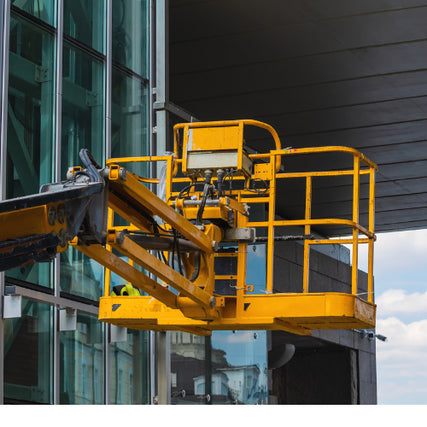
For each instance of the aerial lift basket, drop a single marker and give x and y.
(172, 252)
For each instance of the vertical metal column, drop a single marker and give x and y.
(371, 230)
(307, 231)
(108, 76)
(162, 130)
(108, 86)
(162, 74)
(356, 195)
(208, 370)
(270, 231)
(163, 352)
(4, 93)
(57, 178)
(4, 75)
(152, 68)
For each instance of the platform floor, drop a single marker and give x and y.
(296, 313)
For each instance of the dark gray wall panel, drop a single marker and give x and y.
(322, 72)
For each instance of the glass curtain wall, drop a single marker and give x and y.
(83, 112)
(53, 111)
(129, 364)
(31, 142)
(230, 367)
(82, 363)
(28, 349)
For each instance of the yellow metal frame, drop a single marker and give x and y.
(37, 220)
(194, 306)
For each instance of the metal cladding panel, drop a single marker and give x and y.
(321, 73)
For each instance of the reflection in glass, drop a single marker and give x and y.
(82, 127)
(187, 362)
(241, 377)
(28, 343)
(40, 9)
(130, 35)
(83, 107)
(30, 145)
(228, 367)
(82, 363)
(129, 117)
(130, 369)
(84, 21)
(81, 275)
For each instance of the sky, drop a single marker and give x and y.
(400, 270)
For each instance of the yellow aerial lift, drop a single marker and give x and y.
(172, 247)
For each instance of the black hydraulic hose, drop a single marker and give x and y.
(220, 175)
(196, 271)
(92, 166)
(204, 198)
(178, 251)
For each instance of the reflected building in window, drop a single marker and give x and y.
(211, 370)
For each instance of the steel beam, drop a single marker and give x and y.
(129, 273)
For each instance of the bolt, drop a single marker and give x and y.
(122, 174)
(51, 215)
(61, 213)
(120, 237)
(62, 238)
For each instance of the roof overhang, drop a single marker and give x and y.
(321, 73)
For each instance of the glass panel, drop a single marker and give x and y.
(82, 127)
(188, 368)
(235, 364)
(239, 367)
(82, 363)
(28, 343)
(30, 146)
(130, 369)
(83, 106)
(84, 20)
(81, 275)
(41, 9)
(129, 128)
(239, 359)
(130, 35)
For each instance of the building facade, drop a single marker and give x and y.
(94, 74)
(74, 75)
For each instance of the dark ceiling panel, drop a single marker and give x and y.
(322, 72)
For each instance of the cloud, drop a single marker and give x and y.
(401, 362)
(401, 335)
(240, 337)
(397, 301)
(400, 274)
(400, 252)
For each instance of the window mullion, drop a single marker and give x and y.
(57, 178)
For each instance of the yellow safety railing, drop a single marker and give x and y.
(307, 222)
(272, 161)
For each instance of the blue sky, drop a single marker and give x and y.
(400, 269)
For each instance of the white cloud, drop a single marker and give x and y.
(397, 301)
(401, 335)
(240, 337)
(400, 271)
(401, 362)
(398, 252)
